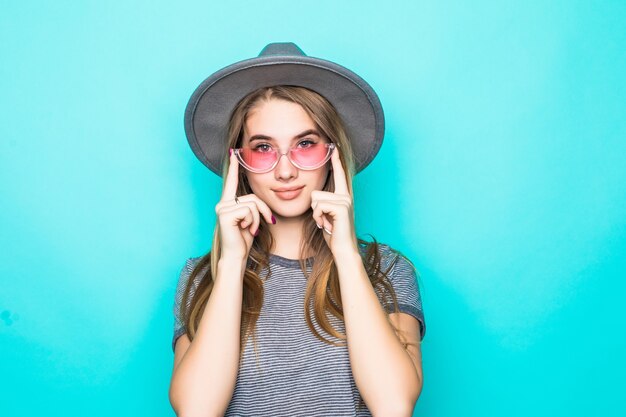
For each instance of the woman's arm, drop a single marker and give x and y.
(388, 378)
(384, 372)
(205, 374)
(205, 370)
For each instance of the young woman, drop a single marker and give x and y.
(290, 314)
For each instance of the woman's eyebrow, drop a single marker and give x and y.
(298, 136)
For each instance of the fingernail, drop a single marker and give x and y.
(273, 219)
(256, 233)
(318, 226)
(230, 151)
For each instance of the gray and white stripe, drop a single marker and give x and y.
(296, 373)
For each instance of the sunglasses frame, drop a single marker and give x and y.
(237, 151)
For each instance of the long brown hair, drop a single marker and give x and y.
(322, 282)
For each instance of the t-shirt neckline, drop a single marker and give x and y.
(286, 262)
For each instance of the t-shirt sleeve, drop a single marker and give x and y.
(403, 278)
(179, 325)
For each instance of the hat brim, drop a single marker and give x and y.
(209, 108)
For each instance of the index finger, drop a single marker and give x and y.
(339, 175)
(229, 191)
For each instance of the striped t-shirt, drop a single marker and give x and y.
(296, 374)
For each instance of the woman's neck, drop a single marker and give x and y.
(287, 235)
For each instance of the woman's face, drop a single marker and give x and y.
(281, 124)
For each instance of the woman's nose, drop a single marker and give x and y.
(285, 169)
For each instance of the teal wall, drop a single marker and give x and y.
(502, 176)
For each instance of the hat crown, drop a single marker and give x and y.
(282, 48)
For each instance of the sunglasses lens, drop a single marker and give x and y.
(262, 158)
(258, 159)
(311, 156)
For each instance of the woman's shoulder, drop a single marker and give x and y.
(193, 261)
(387, 254)
(187, 270)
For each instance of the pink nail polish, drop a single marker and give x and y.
(230, 151)
(273, 219)
(256, 233)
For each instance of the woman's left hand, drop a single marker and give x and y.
(334, 213)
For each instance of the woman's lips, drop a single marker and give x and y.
(288, 195)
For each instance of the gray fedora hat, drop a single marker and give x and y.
(210, 106)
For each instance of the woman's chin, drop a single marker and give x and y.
(291, 213)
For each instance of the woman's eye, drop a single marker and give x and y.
(263, 147)
(306, 143)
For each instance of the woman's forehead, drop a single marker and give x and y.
(303, 134)
(278, 120)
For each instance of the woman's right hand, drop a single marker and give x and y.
(239, 222)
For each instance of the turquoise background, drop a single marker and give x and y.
(502, 177)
